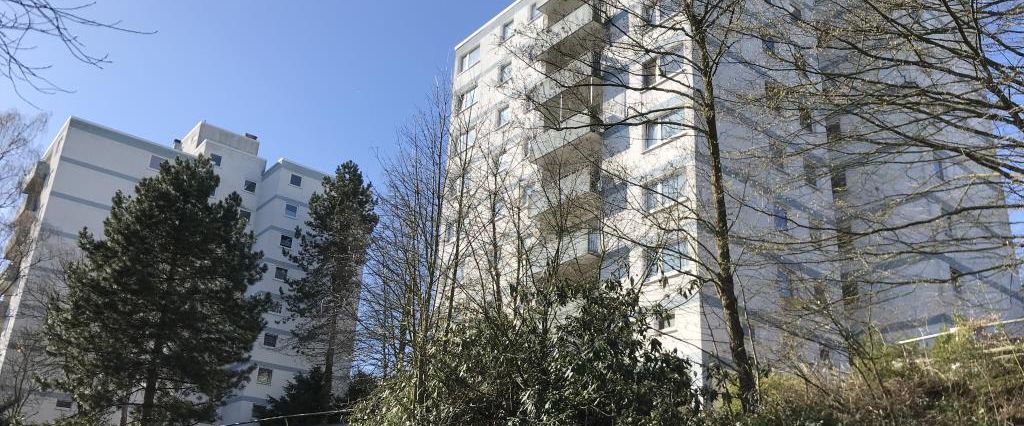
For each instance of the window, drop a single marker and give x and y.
(806, 121)
(468, 139)
(291, 211)
(667, 321)
(782, 279)
(649, 13)
(671, 125)
(672, 258)
(811, 172)
(264, 375)
(216, 159)
(249, 186)
(467, 99)
(652, 135)
(270, 340)
(778, 154)
(535, 11)
(506, 30)
(849, 287)
(280, 273)
(469, 60)
(833, 132)
(938, 169)
(295, 180)
(649, 73)
(663, 192)
(504, 114)
(286, 242)
(954, 278)
(663, 261)
(618, 25)
(773, 95)
(667, 8)
(64, 402)
(824, 354)
(838, 181)
(593, 242)
(275, 306)
(505, 74)
(155, 162)
(245, 214)
(780, 217)
(672, 62)
(665, 128)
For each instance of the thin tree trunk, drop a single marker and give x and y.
(725, 284)
(148, 396)
(328, 384)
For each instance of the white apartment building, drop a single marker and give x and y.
(519, 84)
(71, 188)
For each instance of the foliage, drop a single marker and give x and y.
(301, 395)
(577, 354)
(331, 256)
(304, 394)
(128, 323)
(966, 377)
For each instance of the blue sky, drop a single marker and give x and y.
(320, 82)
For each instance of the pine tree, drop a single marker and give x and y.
(156, 315)
(331, 255)
(302, 395)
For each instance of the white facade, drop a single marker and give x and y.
(71, 188)
(570, 166)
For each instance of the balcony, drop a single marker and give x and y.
(577, 72)
(35, 178)
(572, 25)
(578, 136)
(574, 255)
(569, 200)
(17, 245)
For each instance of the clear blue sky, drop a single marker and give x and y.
(320, 82)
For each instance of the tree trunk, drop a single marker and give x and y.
(725, 283)
(328, 384)
(148, 396)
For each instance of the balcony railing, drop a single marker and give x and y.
(576, 23)
(575, 193)
(580, 250)
(573, 74)
(571, 131)
(36, 177)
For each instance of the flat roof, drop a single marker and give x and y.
(491, 21)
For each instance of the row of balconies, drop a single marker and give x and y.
(26, 215)
(568, 99)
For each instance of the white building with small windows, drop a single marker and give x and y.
(71, 188)
(580, 113)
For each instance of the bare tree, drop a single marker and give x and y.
(814, 208)
(24, 23)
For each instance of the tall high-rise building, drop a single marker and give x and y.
(71, 188)
(575, 122)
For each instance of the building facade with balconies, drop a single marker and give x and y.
(71, 188)
(596, 138)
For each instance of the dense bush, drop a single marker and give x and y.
(576, 355)
(963, 378)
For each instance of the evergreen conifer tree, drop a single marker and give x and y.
(156, 315)
(331, 256)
